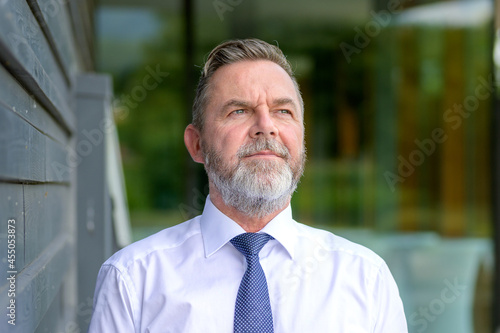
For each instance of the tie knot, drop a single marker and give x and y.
(250, 243)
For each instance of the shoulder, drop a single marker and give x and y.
(328, 242)
(169, 239)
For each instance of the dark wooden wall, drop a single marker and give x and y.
(44, 46)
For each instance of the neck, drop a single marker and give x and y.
(248, 223)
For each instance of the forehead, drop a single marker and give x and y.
(251, 79)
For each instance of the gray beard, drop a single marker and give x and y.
(256, 188)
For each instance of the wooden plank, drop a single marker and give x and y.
(81, 18)
(47, 209)
(59, 166)
(21, 147)
(51, 321)
(14, 97)
(61, 218)
(94, 226)
(38, 229)
(38, 284)
(11, 207)
(54, 20)
(60, 316)
(28, 155)
(27, 54)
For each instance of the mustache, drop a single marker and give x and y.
(263, 144)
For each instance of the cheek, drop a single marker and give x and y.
(294, 140)
(227, 142)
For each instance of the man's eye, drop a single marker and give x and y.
(284, 111)
(240, 111)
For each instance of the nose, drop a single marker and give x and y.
(264, 125)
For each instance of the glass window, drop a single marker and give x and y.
(399, 99)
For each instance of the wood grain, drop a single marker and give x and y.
(47, 209)
(44, 46)
(29, 155)
(14, 97)
(53, 18)
(14, 147)
(11, 207)
(39, 283)
(26, 53)
(81, 18)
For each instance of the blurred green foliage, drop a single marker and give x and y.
(363, 111)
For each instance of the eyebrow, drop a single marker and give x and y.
(285, 101)
(277, 102)
(236, 102)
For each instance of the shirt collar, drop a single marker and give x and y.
(217, 229)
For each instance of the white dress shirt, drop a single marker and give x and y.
(186, 278)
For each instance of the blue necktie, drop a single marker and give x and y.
(252, 313)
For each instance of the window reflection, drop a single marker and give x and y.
(398, 128)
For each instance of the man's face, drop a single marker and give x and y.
(253, 137)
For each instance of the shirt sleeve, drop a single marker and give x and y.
(389, 307)
(113, 308)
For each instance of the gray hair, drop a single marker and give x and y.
(231, 52)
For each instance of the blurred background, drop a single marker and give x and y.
(399, 98)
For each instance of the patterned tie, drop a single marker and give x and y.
(252, 313)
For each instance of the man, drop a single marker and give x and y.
(245, 265)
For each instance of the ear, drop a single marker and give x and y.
(192, 140)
